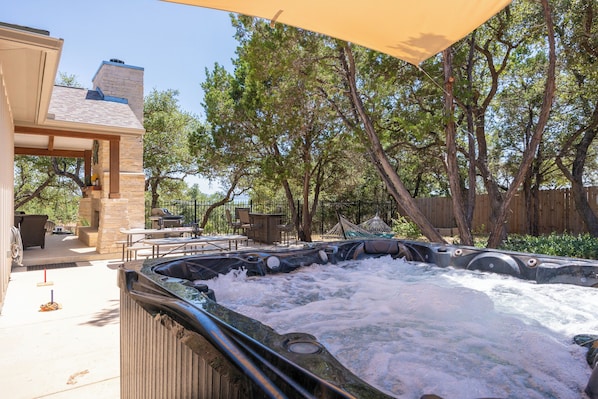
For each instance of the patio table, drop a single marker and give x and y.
(267, 227)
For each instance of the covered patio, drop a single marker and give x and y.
(62, 249)
(103, 126)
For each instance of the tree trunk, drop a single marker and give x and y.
(471, 148)
(531, 188)
(291, 204)
(451, 151)
(497, 233)
(383, 165)
(305, 230)
(575, 176)
(577, 188)
(154, 192)
(227, 198)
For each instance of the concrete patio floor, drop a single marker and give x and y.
(73, 352)
(62, 248)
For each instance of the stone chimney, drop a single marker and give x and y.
(116, 79)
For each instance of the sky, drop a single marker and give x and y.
(174, 43)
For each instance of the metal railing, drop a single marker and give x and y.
(325, 218)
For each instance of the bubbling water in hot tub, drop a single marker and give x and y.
(410, 328)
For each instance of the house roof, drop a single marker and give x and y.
(53, 117)
(28, 61)
(76, 105)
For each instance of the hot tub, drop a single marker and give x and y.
(178, 341)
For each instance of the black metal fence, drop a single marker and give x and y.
(325, 219)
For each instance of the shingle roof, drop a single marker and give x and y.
(71, 104)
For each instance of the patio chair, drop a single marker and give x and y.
(237, 212)
(33, 230)
(236, 225)
(246, 223)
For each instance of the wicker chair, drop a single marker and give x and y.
(247, 224)
(33, 229)
(229, 219)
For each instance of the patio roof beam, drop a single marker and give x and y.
(49, 153)
(64, 133)
(114, 141)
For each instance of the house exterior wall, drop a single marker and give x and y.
(6, 187)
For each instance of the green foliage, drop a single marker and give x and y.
(68, 80)
(166, 157)
(404, 227)
(282, 118)
(83, 222)
(40, 189)
(225, 143)
(194, 193)
(274, 120)
(581, 246)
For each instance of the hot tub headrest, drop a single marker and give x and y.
(373, 248)
(205, 268)
(389, 247)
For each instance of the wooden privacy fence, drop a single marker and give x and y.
(557, 212)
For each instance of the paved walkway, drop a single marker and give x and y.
(69, 353)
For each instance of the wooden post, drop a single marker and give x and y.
(114, 168)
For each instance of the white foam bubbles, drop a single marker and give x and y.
(410, 329)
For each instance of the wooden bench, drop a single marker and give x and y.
(132, 253)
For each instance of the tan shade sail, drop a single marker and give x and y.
(412, 30)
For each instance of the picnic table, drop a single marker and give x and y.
(190, 245)
(134, 237)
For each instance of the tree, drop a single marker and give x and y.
(42, 183)
(380, 159)
(459, 211)
(497, 233)
(166, 157)
(480, 131)
(227, 156)
(579, 34)
(68, 80)
(273, 110)
(48, 185)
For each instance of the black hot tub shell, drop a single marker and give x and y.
(178, 342)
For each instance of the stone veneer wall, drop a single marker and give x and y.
(127, 211)
(120, 80)
(123, 81)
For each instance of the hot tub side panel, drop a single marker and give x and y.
(160, 359)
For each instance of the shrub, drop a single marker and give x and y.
(580, 246)
(404, 227)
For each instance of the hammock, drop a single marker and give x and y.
(345, 229)
(376, 225)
